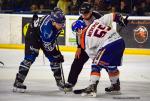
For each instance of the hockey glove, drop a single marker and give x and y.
(120, 20)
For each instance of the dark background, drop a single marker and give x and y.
(128, 34)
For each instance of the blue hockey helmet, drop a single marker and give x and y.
(58, 17)
(79, 24)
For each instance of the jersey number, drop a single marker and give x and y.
(101, 31)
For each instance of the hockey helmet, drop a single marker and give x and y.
(79, 24)
(57, 9)
(85, 8)
(58, 17)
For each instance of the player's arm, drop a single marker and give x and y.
(78, 37)
(108, 19)
(96, 14)
(78, 51)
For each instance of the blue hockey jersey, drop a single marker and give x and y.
(48, 33)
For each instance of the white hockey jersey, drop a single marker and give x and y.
(98, 35)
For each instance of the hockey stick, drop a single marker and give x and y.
(62, 72)
(43, 59)
(78, 91)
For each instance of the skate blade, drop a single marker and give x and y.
(114, 93)
(62, 89)
(89, 95)
(19, 90)
(67, 90)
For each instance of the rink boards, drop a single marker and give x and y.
(134, 51)
(13, 28)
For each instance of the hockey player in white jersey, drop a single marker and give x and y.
(105, 47)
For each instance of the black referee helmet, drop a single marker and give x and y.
(85, 8)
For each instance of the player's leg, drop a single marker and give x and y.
(56, 59)
(112, 58)
(95, 74)
(91, 90)
(113, 73)
(75, 70)
(107, 57)
(31, 52)
(23, 70)
(21, 75)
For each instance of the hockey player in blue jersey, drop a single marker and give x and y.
(42, 34)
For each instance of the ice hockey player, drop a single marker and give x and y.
(42, 34)
(88, 15)
(105, 47)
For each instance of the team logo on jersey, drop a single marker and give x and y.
(140, 34)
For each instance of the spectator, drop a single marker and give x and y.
(123, 7)
(63, 4)
(147, 6)
(113, 9)
(0, 5)
(43, 3)
(98, 5)
(116, 4)
(52, 4)
(74, 7)
(106, 5)
(7, 5)
(41, 8)
(139, 8)
(34, 8)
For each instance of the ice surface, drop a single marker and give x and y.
(134, 76)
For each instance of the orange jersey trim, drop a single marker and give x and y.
(96, 74)
(82, 38)
(113, 74)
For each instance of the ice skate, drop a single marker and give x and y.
(60, 84)
(19, 87)
(91, 90)
(114, 89)
(68, 87)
